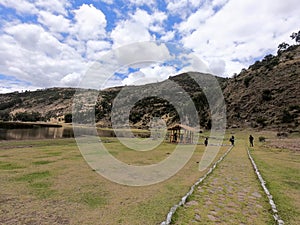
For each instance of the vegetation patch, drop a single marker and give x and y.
(54, 153)
(280, 169)
(42, 162)
(42, 189)
(93, 200)
(31, 177)
(10, 166)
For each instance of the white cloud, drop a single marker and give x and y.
(34, 38)
(142, 52)
(53, 43)
(15, 85)
(55, 23)
(141, 2)
(32, 54)
(168, 36)
(183, 8)
(241, 31)
(54, 6)
(21, 6)
(137, 28)
(96, 49)
(196, 19)
(90, 23)
(150, 74)
(26, 35)
(71, 79)
(127, 32)
(194, 64)
(105, 1)
(33, 7)
(217, 67)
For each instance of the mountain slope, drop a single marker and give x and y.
(267, 94)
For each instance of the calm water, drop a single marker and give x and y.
(52, 133)
(44, 133)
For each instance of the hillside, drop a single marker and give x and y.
(267, 94)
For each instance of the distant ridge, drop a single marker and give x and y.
(267, 94)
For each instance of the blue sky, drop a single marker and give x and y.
(53, 43)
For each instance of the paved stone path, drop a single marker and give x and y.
(230, 195)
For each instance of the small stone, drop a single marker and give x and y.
(197, 217)
(193, 202)
(211, 217)
(256, 194)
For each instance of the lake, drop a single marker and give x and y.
(57, 132)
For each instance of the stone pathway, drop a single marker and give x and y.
(230, 195)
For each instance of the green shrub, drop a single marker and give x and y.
(261, 121)
(266, 95)
(262, 139)
(247, 81)
(28, 116)
(287, 117)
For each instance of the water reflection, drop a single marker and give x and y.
(54, 133)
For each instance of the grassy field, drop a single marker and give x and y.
(279, 163)
(230, 195)
(233, 195)
(48, 182)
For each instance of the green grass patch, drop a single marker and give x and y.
(42, 189)
(42, 162)
(280, 169)
(31, 177)
(54, 153)
(93, 200)
(10, 166)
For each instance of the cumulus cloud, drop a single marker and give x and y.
(55, 23)
(142, 52)
(106, 1)
(21, 6)
(141, 2)
(54, 6)
(71, 79)
(127, 32)
(34, 55)
(55, 50)
(217, 67)
(137, 27)
(183, 8)
(150, 74)
(54, 43)
(10, 84)
(90, 23)
(241, 31)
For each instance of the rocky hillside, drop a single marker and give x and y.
(267, 94)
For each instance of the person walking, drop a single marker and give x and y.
(206, 141)
(232, 140)
(251, 139)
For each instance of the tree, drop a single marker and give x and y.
(4, 115)
(28, 116)
(296, 36)
(281, 47)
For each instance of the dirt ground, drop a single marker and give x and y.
(284, 143)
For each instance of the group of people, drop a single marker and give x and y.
(232, 139)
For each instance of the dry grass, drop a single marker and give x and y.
(230, 195)
(279, 163)
(48, 182)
